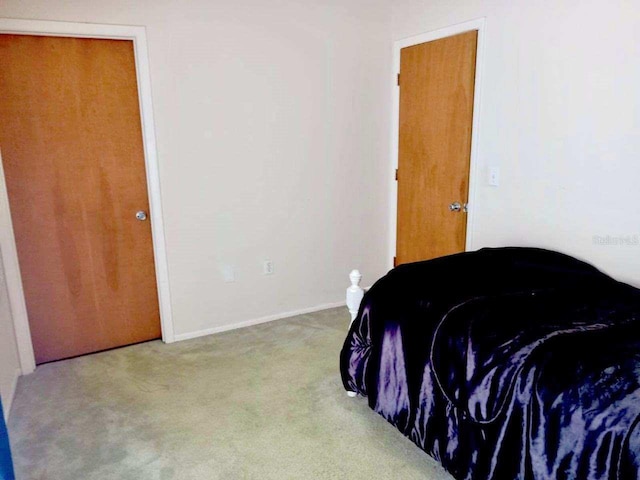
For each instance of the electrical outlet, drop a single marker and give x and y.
(267, 267)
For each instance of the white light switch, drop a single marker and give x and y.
(494, 176)
(228, 273)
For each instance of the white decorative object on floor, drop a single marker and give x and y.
(354, 294)
(354, 298)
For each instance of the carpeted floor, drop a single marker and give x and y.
(264, 402)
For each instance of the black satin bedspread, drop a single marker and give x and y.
(510, 363)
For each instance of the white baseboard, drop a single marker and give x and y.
(255, 321)
(7, 402)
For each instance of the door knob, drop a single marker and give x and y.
(455, 207)
(141, 215)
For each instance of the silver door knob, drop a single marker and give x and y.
(141, 215)
(455, 207)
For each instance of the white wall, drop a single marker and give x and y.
(271, 120)
(560, 117)
(273, 117)
(9, 362)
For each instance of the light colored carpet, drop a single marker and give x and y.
(264, 402)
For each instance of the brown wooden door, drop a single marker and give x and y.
(72, 152)
(437, 82)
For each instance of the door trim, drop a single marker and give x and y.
(398, 45)
(7, 240)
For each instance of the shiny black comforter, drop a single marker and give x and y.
(511, 363)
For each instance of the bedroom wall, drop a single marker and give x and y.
(271, 120)
(9, 362)
(560, 117)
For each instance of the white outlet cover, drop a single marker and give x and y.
(267, 267)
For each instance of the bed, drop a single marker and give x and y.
(506, 363)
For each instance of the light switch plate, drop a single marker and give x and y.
(494, 176)
(228, 274)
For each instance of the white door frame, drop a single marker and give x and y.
(479, 25)
(7, 240)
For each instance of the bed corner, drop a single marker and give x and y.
(354, 294)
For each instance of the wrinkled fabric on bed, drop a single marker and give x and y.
(510, 363)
